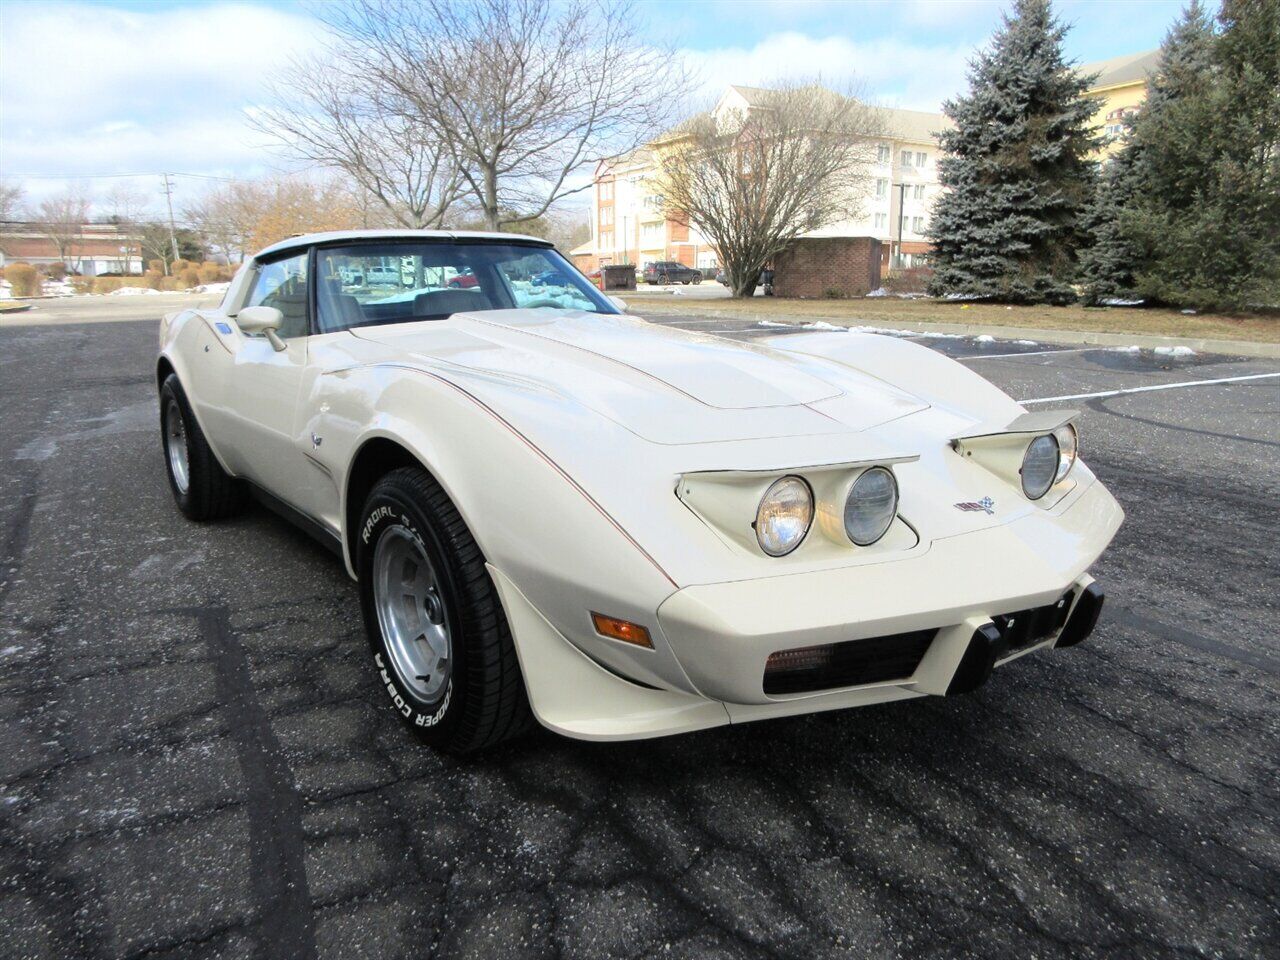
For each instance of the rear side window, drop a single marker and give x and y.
(283, 284)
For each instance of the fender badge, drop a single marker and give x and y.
(986, 505)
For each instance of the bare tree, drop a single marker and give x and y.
(322, 113)
(227, 216)
(11, 200)
(128, 206)
(527, 95)
(753, 181)
(61, 219)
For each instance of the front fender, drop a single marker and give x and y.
(531, 519)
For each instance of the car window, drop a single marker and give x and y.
(283, 284)
(401, 282)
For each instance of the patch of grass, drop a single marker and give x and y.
(893, 312)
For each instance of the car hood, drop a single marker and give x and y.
(664, 384)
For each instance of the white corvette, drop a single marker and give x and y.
(558, 511)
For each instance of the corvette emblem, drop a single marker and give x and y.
(986, 505)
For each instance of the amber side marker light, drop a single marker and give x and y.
(623, 630)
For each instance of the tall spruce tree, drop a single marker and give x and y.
(1016, 167)
(1208, 214)
(1110, 257)
(1170, 152)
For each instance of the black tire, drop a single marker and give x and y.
(697, 280)
(484, 701)
(211, 493)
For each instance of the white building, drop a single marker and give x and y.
(629, 226)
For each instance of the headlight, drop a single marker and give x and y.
(784, 515)
(1040, 466)
(871, 506)
(1068, 449)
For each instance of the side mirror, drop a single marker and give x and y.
(619, 303)
(263, 320)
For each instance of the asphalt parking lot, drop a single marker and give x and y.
(196, 761)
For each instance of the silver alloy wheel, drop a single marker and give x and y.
(175, 442)
(411, 612)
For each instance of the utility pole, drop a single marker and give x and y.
(173, 236)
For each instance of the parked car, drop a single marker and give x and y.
(464, 280)
(546, 278)
(669, 271)
(722, 278)
(619, 529)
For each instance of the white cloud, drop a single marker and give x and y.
(89, 90)
(891, 71)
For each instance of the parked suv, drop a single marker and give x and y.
(668, 271)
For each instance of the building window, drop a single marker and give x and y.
(606, 216)
(606, 239)
(606, 191)
(921, 159)
(906, 158)
(882, 221)
(882, 153)
(882, 188)
(917, 224)
(918, 191)
(651, 233)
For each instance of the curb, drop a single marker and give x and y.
(1233, 348)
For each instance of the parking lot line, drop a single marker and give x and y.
(1029, 353)
(1151, 387)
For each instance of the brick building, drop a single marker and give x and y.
(93, 249)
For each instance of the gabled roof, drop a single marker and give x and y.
(1129, 68)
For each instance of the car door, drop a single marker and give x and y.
(261, 392)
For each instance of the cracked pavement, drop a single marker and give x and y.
(196, 759)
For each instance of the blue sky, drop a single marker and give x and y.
(127, 86)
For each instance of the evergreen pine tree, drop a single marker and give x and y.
(1016, 167)
(1170, 152)
(1237, 225)
(1108, 261)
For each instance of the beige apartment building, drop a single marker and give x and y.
(629, 224)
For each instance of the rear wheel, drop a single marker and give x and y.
(440, 641)
(201, 488)
(697, 280)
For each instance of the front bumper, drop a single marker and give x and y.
(723, 634)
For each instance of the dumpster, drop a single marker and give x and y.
(618, 276)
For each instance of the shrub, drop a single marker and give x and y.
(210, 272)
(106, 284)
(908, 280)
(56, 271)
(176, 268)
(23, 279)
(190, 277)
(152, 279)
(171, 284)
(82, 284)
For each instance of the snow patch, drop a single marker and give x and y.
(133, 292)
(1027, 343)
(211, 287)
(878, 292)
(1178, 351)
(1121, 302)
(984, 338)
(1134, 348)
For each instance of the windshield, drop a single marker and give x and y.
(402, 282)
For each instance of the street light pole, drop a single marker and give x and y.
(902, 203)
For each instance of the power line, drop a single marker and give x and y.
(119, 176)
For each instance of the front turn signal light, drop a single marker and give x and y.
(623, 630)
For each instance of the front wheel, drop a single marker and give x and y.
(201, 488)
(696, 281)
(441, 645)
